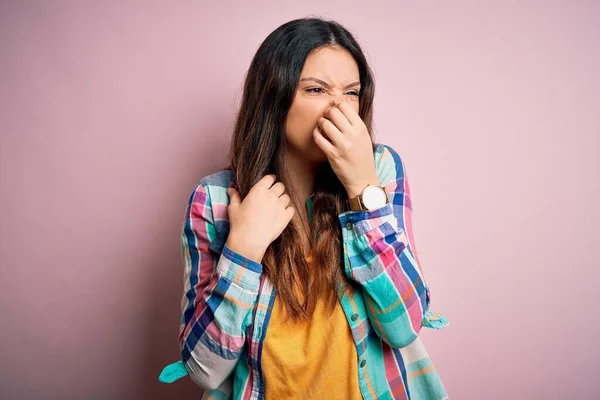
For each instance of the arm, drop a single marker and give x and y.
(219, 293)
(379, 254)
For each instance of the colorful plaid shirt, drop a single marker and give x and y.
(227, 300)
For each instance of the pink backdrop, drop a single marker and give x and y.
(111, 111)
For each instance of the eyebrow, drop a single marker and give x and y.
(310, 78)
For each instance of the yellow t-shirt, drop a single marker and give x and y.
(313, 360)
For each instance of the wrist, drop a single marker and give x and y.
(245, 248)
(357, 188)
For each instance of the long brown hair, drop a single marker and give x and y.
(258, 148)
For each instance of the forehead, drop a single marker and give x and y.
(332, 64)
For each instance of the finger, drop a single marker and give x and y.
(290, 213)
(322, 142)
(285, 200)
(266, 181)
(329, 108)
(330, 130)
(234, 197)
(335, 115)
(350, 114)
(278, 188)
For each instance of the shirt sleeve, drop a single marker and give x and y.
(380, 254)
(220, 291)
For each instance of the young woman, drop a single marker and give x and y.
(302, 279)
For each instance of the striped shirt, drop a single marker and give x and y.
(227, 300)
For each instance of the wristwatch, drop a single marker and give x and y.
(371, 197)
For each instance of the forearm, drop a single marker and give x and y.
(213, 340)
(378, 258)
(242, 246)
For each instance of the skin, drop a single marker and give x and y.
(323, 125)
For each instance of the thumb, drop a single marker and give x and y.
(234, 197)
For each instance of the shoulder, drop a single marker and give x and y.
(219, 179)
(388, 164)
(210, 195)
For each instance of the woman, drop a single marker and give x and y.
(301, 273)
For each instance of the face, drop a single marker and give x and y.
(330, 75)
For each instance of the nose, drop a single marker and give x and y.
(333, 102)
(337, 99)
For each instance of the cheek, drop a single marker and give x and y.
(302, 119)
(354, 103)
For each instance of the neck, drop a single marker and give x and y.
(302, 173)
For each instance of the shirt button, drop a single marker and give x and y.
(354, 317)
(349, 225)
(362, 363)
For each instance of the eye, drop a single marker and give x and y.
(315, 90)
(354, 93)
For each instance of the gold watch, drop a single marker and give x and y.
(371, 198)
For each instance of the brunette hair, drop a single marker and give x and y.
(258, 148)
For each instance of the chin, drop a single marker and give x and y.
(318, 155)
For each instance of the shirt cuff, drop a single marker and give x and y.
(357, 223)
(240, 270)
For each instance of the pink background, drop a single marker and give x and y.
(111, 111)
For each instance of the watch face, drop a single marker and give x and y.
(374, 197)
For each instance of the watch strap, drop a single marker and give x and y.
(356, 203)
